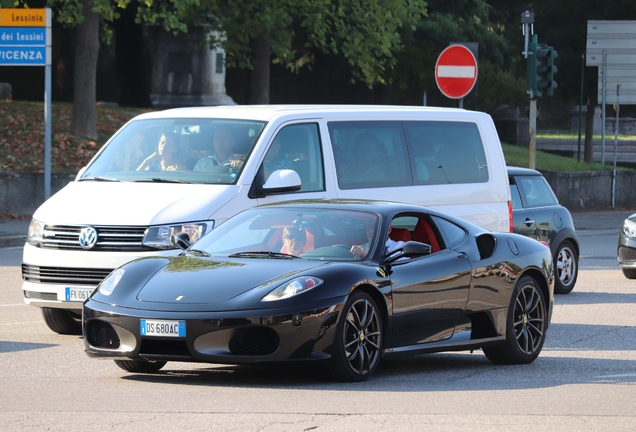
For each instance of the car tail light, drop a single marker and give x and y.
(510, 216)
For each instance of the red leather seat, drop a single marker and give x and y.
(423, 233)
(400, 234)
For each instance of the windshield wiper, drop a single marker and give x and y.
(159, 180)
(262, 254)
(198, 252)
(98, 178)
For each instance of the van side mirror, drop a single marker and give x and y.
(410, 249)
(181, 240)
(282, 181)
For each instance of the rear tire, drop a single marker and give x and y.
(140, 366)
(63, 321)
(629, 273)
(526, 325)
(357, 345)
(566, 267)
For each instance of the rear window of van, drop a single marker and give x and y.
(372, 154)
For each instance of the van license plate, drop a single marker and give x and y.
(77, 294)
(162, 328)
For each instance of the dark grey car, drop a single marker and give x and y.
(626, 252)
(537, 214)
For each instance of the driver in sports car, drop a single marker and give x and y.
(361, 251)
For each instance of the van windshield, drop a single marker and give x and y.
(177, 151)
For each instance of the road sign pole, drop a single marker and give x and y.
(47, 111)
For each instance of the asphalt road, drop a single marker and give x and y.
(583, 380)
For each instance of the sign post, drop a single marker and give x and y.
(456, 72)
(25, 40)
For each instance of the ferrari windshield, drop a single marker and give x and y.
(287, 233)
(176, 151)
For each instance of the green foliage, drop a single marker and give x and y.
(365, 32)
(520, 156)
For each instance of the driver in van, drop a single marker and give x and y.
(223, 144)
(166, 158)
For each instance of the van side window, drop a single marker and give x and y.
(446, 152)
(369, 154)
(298, 147)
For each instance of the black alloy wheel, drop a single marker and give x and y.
(526, 328)
(358, 339)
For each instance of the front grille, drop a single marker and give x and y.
(254, 341)
(64, 275)
(66, 237)
(626, 253)
(102, 335)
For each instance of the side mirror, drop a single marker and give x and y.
(282, 181)
(410, 249)
(181, 240)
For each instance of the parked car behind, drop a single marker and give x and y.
(537, 214)
(626, 252)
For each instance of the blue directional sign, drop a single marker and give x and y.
(23, 56)
(22, 36)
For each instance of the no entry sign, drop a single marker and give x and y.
(456, 71)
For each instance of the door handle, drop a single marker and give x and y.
(529, 222)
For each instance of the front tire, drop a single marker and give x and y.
(358, 339)
(62, 321)
(526, 326)
(629, 273)
(566, 265)
(140, 366)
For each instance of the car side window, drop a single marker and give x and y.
(298, 147)
(446, 152)
(451, 233)
(514, 195)
(536, 191)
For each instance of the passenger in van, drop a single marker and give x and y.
(223, 144)
(367, 166)
(294, 240)
(166, 158)
(361, 251)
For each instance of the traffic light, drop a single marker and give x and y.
(541, 69)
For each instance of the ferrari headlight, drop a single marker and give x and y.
(292, 288)
(108, 285)
(35, 233)
(629, 228)
(159, 236)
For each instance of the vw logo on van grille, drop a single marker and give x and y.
(88, 237)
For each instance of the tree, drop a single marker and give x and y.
(86, 16)
(259, 32)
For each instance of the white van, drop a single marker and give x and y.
(167, 172)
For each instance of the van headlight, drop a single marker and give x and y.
(158, 237)
(35, 233)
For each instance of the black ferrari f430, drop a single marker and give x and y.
(341, 283)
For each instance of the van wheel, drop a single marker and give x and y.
(526, 326)
(140, 366)
(63, 321)
(566, 267)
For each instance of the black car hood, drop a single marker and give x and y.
(194, 280)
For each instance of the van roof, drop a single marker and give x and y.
(269, 112)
